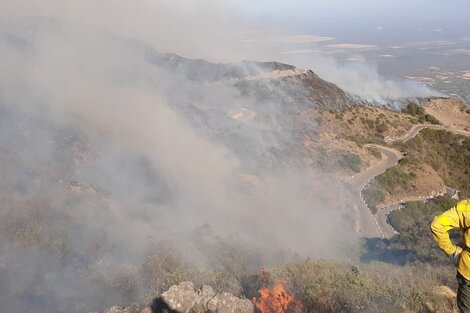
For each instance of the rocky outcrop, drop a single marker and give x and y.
(184, 298)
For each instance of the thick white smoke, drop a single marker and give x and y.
(217, 31)
(109, 153)
(363, 80)
(107, 163)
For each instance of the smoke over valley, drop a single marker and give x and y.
(115, 152)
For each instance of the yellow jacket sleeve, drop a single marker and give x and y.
(440, 229)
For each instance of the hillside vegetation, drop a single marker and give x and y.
(335, 140)
(432, 156)
(413, 245)
(329, 287)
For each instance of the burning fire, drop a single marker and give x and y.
(275, 300)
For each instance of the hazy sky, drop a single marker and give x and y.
(368, 21)
(227, 26)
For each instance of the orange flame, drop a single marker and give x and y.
(275, 300)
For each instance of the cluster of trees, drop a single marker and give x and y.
(395, 177)
(421, 117)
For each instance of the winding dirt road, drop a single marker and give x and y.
(367, 224)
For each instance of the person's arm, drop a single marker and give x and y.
(440, 228)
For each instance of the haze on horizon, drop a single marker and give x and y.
(368, 21)
(236, 29)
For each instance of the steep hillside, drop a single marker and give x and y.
(316, 286)
(126, 170)
(434, 157)
(140, 157)
(330, 132)
(431, 155)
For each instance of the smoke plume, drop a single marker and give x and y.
(113, 153)
(363, 80)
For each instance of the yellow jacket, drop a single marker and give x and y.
(456, 217)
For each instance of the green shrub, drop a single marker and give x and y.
(431, 119)
(373, 196)
(349, 160)
(417, 111)
(395, 177)
(413, 109)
